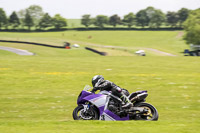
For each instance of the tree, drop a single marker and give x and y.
(100, 20)
(172, 18)
(157, 18)
(151, 17)
(129, 20)
(59, 21)
(28, 21)
(14, 20)
(21, 15)
(3, 18)
(192, 28)
(114, 20)
(46, 21)
(141, 18)
(86, 20)
(36, 13)
(183, 14)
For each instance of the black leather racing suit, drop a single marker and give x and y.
(109, 86)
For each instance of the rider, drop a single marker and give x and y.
(99, 83)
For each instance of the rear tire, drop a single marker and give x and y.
(151, 115)
(79, 114)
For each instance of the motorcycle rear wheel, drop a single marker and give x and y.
(150, 115)
(79, 114)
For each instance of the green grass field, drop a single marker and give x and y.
(167, 41)
(38, 93)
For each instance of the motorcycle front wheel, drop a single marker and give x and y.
(151, 114)
(89, 114)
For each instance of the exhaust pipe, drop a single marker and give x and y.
(139, 97)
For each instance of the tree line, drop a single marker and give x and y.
(149, 17)
(34, 16)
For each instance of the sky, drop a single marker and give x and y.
(77, 8)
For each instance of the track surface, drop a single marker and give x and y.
(17, 51)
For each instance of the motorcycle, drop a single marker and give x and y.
(106, 106)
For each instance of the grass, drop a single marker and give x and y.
(48, 52)
(167, 41)
(38, 93)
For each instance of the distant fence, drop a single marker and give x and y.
(136, 29)
(95, 51)
(46, 45)
(93, 29)
(33, 43)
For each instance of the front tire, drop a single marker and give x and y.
(80, 114)
(150, 115)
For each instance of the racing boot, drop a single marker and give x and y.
(127, 102)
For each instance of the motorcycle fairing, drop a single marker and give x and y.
(110, 116)
(82, 95)
(98, 100)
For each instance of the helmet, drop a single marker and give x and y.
(96, 80)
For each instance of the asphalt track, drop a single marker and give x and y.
(17, 51)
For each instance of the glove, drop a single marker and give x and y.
(94, 90)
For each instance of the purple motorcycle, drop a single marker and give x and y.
(105, 106)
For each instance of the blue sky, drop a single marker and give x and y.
(77, 8)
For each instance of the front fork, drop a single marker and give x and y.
(86, 107)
